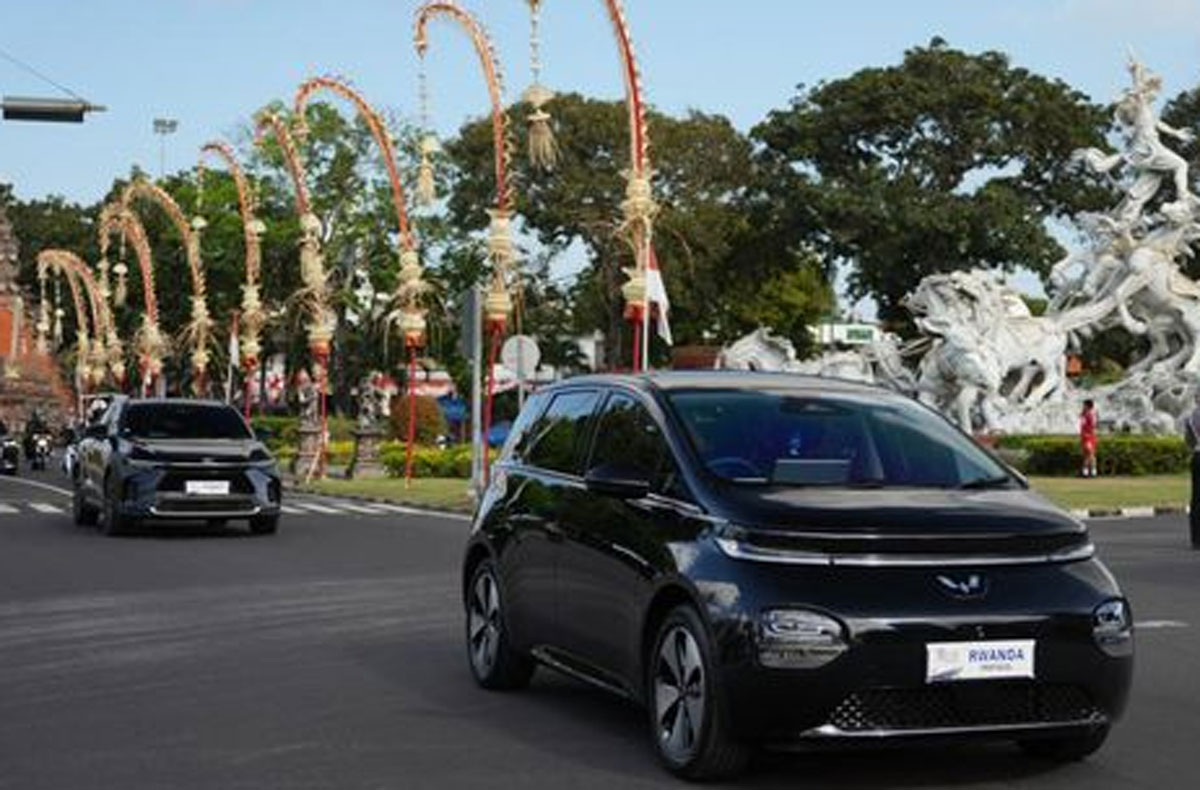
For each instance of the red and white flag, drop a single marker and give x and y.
(656, 297)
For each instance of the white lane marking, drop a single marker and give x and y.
(364, 509)
(1160, 624)
(38, 484)
(1137, 512)
(42, 507)
(8, 508)
(412, 511)
(313, 507)
(291, 511)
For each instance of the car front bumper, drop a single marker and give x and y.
(158, 491)
(878, 687)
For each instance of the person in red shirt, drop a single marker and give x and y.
(1087, 437)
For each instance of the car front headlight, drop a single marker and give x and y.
(799, 639)
(1112, 628)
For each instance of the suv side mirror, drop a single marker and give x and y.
(97, 431)
(617, 482)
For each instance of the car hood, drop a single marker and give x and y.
(200, 450)
(900, 520)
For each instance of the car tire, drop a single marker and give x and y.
(85, 515)
(494, 663)
(264, 525)
(114, 522)
(1067, 748)
(689, 726)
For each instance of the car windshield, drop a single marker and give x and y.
(848, 440)
(182, 421)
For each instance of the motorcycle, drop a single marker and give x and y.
(41, 451)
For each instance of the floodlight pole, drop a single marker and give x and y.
(164, 127)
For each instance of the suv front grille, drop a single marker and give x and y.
(964, 705)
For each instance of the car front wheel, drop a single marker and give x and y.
(85, 515)
(688, 724)
(493, 661)
(264, 525)
(114, 522)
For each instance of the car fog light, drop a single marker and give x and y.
(1112, 628)
(799, 639)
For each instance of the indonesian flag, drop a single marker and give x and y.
(656, 297)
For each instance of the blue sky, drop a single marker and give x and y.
(211, 63)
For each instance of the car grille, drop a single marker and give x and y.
(963, 705)
(218, 505)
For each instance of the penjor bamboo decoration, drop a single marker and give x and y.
(501, 249)
(253, 316)
(408, 315)
(197, 334)
(150, 345)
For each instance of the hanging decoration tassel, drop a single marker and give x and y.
(59, 312)
(43, 322)
(543, 148)
(121, 294)
(426, 185)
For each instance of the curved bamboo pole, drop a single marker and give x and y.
(106, 347)
(411, 286)
(198, 332)
(84, 373)
(150, 344)
(253, 316)
(502, 251)
(639, 208)
(314, 296)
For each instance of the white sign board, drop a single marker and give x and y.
(521, 355)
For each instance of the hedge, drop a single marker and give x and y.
(1123, 454)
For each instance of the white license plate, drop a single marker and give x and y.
(948, 661)
(207, 487)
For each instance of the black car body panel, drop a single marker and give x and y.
(585, 571)
(176, 478)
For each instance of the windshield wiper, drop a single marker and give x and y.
(1001, 481)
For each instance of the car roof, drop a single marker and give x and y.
(669, 380)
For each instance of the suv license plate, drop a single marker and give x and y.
(207, 487)
(948, 661)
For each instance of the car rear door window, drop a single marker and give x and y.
(555, 440)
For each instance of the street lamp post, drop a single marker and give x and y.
(164, 127)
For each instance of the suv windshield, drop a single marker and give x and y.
(182, 421)
(848, 440)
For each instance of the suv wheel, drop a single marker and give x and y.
(114, 522)
(85, 515)
(494, 663)
(688, 723)
(1066, 749)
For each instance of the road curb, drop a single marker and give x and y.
(417, 510)
(1129, 512)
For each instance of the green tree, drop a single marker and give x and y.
(946, 161)
(705, 231)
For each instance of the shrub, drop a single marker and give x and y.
(453, 461)
(430, 422)
(1124, 454)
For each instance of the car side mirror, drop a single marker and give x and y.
(99, 431)
(617, 482)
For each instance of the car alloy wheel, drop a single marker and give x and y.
(687, 717)
(494, 663)
(679, 694)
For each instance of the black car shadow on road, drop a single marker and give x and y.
(562, 719)
(185, 530)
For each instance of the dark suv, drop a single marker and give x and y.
(770, 559)
(174, 460)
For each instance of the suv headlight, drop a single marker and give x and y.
(1112, 628)
(799, 639)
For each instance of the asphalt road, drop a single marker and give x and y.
(330, 656)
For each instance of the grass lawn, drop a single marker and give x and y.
(431, 492)
(1069, 492)
(1115, 492)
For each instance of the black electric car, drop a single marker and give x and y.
(772, 559)
(174, 460)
